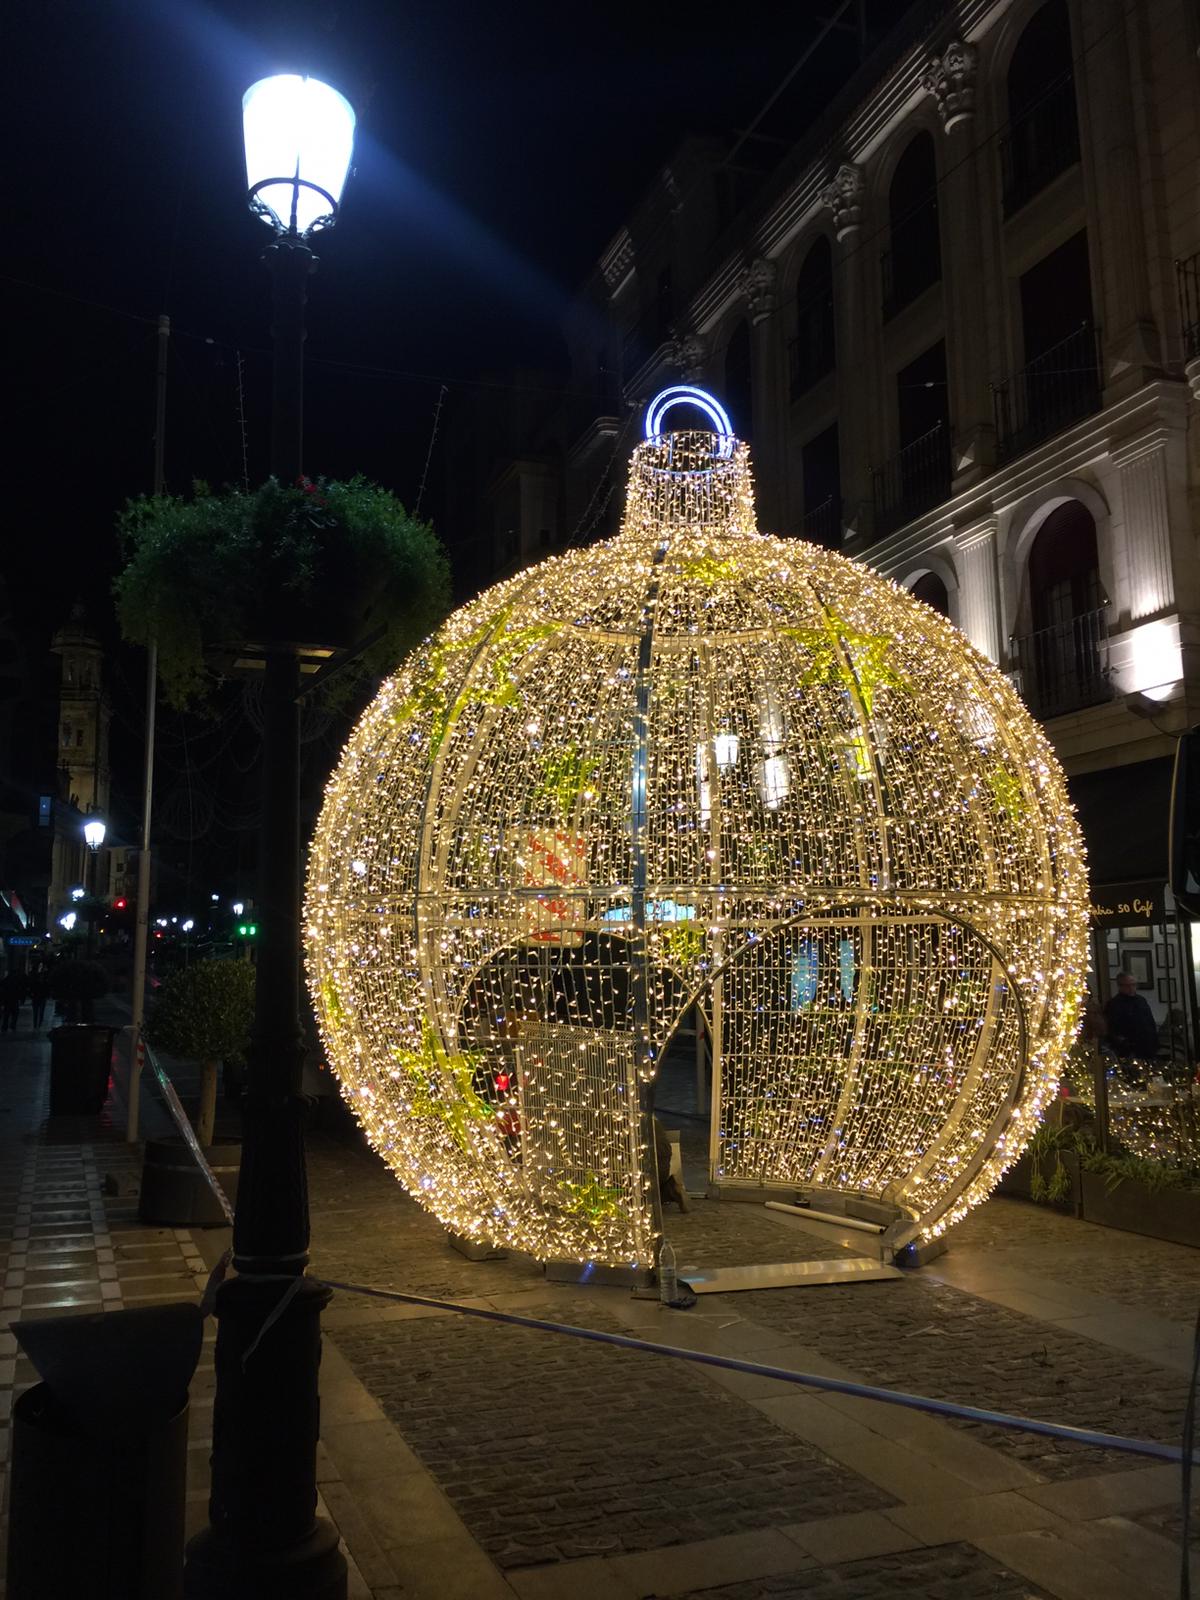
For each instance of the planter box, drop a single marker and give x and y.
(1018, 1181)
(175, 1192)
(1172, 1214)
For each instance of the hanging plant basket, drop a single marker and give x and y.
(317, 566)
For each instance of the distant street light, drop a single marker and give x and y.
(93, 834)
(78, 892)
(238, 907)
(264, 1535)
(67, 920)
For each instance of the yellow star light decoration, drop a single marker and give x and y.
(695, 767)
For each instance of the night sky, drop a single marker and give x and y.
(500, 145)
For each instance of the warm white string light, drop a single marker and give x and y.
(695, 763)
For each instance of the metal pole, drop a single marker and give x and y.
(141, 927)
(264, 1536)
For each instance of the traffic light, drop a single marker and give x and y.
(247, 930)
(120, 903)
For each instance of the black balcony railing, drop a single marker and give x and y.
(811, 352)
(823, 524)
(914, 261)
(1039, 144)
(1053, 390)
(1065, 667)
(1187, 278)
(915, 479)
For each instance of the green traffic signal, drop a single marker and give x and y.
(247, 930)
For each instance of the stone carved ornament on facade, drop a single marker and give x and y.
(843, 196)
(757, 287)
(950, 79)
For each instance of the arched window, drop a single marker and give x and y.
(739, 382)
(915, 258)
(930, 588)
(1064, 661)
(812, 349)
(1042, 138)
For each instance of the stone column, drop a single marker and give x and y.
(856, 330)
(979, 587)
(1142, 464)
(950, 79)
(757, 286)
(1118, 235)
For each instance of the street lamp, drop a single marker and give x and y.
(93, 835)
(264, 1535)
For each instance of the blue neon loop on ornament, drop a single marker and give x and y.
(685, 394)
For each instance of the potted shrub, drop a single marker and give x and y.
(203, 1014)
(80, 1050)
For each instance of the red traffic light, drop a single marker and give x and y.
(120, 904)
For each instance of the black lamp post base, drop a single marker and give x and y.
(219, 1568)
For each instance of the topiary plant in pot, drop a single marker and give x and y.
(205, 1014)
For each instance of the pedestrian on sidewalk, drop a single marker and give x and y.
(39, 993)
(12, 992)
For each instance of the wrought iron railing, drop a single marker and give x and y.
(914, 261)
(1050, 392)
(1187, 279)
(915, 479)
(1065, 667)
(1039, 144)
(823, 524)
(811, 352)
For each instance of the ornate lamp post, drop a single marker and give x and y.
(264, 1536)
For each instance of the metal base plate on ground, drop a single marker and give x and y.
(784, 1275)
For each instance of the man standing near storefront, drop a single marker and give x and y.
(1132, 1030)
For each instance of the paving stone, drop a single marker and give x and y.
(949, 1572)
(926, 1337)
(504, 1418)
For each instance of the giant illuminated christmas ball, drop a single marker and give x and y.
(695, 767)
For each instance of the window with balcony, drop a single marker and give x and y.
(1042, 137)
(1061, 380)
(913, 261)
(811, 352)
(739, 382)
(918, 476)
(1063, 661)
(820, 467)
(930, 588)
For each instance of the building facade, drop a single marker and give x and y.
(959, 323)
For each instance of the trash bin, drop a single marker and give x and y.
(98, 1474)
(80, 1066)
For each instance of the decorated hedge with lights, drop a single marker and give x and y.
(695, 765)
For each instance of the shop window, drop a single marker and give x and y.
(1042, 138)
(739, 381)
(812, 351)
(930, 588)
(914, 260)
(1063, 661)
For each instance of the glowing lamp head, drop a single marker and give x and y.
(68, 920)
(299, 138)
(78, 893)
(93, 832)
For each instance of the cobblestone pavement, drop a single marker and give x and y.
(947, 1572)
(1137, 1272)
(551, 1450)
(925, 1337)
